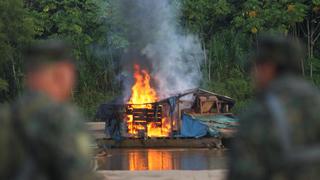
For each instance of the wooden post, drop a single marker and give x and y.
(171, 118)
(179, 120)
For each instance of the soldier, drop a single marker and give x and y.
(42, 135)
(279, 134)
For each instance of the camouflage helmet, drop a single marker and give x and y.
(46, 51)
(285, 52)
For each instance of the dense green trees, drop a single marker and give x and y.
(17, 29)
(89, 25)
(227, 29)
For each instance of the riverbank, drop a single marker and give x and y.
(165, 175)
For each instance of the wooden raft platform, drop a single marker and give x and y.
(96, 129)
(161, 143)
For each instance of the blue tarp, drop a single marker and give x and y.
(201, 125)
(192, 127)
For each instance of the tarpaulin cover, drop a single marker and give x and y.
(200, 125)
(192, 127)
(217, 118)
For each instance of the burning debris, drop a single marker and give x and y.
(193, 113)
(144, 115)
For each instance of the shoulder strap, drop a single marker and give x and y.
(27, 170)
(293, 154)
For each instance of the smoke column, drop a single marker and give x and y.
(174, 57)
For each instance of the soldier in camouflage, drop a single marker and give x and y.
(279, 134)
(41, 135)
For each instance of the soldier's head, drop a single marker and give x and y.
(50, 69)
(275, 56)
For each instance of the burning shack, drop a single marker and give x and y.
(192, 113)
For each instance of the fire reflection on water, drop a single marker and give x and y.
(152, 160)
(162, 159)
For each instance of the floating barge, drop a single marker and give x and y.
(197, 119)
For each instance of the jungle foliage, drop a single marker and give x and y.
(227, 29)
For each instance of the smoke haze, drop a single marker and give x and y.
(172, 56)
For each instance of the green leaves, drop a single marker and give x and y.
(261, 16)
(205, 16)
(316, 2)
(68, 19)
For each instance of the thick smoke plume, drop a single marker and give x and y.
(172, 56)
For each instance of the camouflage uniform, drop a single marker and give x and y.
(42, 139)
(258, 151)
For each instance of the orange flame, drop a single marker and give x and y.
(141, 94)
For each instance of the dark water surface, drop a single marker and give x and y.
(162, 159)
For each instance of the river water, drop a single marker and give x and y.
(162, 159)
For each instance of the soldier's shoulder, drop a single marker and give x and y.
(297, 93)
(37, 102)
(32, 102)
(294, 86)
(254, 116)
(38, 108)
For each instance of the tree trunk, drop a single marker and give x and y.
(295, 29)
(16, 80)
(311, 58)
(309, 41)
